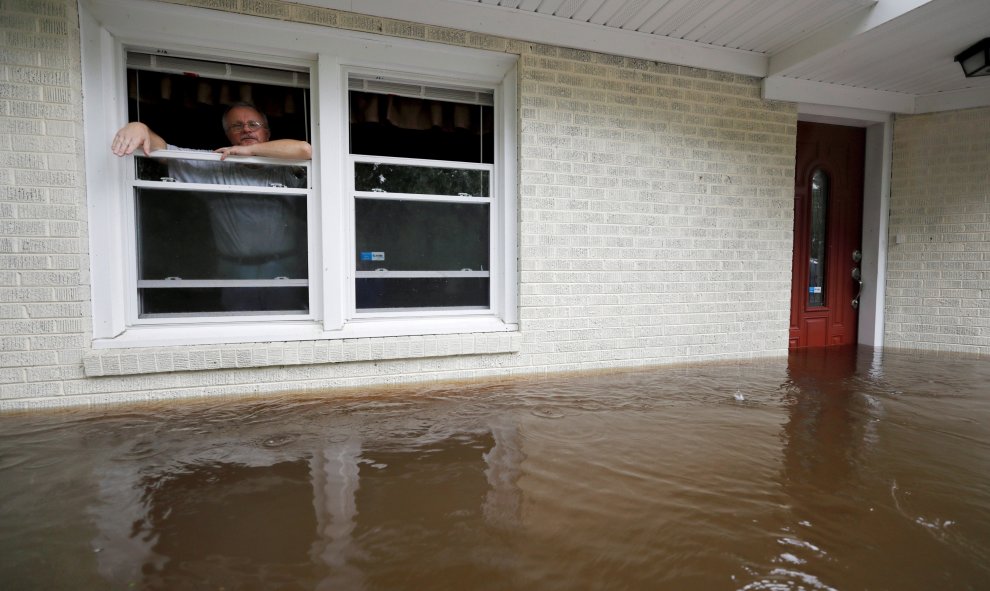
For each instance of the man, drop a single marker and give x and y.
(256, 236)
(239, 123)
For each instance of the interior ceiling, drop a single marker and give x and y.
(885, 56)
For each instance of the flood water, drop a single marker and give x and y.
(833, 469)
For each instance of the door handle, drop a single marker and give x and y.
(857, 276)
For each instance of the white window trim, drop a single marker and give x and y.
(110, 26)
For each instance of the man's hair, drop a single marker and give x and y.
(223, 119)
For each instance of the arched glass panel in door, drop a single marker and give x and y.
(818, 236)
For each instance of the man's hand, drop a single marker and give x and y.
(235, 151)
(136, 135)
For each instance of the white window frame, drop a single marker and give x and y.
(110, 27)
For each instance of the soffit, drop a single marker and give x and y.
(889, 55)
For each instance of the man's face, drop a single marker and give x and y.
(237, 129)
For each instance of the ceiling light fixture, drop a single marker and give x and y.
(975, 61)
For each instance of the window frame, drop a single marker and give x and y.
(108, 32)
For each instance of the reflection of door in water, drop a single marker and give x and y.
(828, 220)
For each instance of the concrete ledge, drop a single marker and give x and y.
(118, 362)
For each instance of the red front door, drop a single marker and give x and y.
(828, 223)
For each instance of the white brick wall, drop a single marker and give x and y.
(938, 282)
(44, 300)
(656, 209)
(655, 219)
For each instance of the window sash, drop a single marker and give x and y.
(218, 188)
(135, 317)
(493, 238)
(168, 154)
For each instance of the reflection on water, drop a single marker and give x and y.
(834, 469)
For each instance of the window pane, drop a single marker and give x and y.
(192, 235)
(421, 236)
(385, 293)
(420, 180)
(816, 262)
(409, 127)
(223, 301)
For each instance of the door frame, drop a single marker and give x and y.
(876, 207)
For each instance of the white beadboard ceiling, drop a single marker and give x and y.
(871, 56)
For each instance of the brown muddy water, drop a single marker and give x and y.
(835, 469)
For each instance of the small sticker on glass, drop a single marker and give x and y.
(372, 256)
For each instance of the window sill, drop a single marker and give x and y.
(173, 358)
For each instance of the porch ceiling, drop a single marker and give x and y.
(865, 56)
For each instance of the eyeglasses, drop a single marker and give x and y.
(250, 126)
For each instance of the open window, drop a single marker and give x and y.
(403, 223)
(212, 237)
